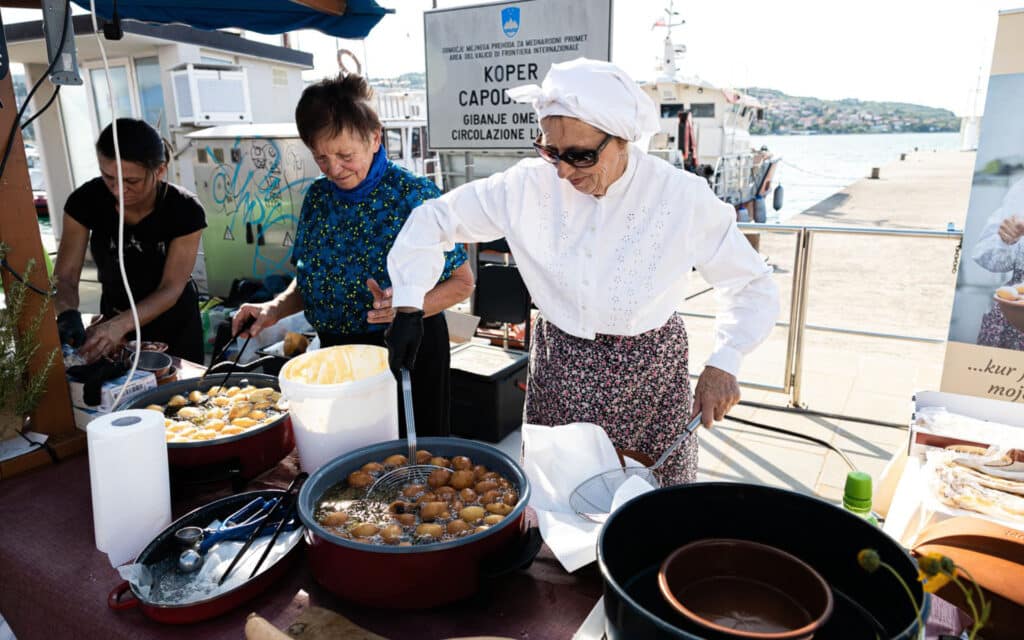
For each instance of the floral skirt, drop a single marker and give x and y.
(636, 387)
(996, 330)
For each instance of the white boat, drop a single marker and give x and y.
(706, 129)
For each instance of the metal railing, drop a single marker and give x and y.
(797, 326)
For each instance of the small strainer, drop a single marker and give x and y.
(391, 483)
(592, 499)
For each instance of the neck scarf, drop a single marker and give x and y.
(378, 168)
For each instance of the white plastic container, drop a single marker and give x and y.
(330, 420)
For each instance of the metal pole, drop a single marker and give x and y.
(794, 304)
(805, 278)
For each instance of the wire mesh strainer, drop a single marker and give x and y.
(391, 483)
(592, 499)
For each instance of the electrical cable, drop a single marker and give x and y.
(802, 436)
(20, 278)
(35, 87)
(120, 200)
(41, 109)
(822, 414)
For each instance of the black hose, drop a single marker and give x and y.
(802, 436)
(43, 108)
(834, 416)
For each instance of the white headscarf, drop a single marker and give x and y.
(596, 92)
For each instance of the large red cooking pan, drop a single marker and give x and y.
(420, 576)
(164, 545)
(250, 453)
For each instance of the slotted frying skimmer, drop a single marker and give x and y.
(391, 483)
(592, 499)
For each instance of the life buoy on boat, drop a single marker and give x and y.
(342, 55)
(777, 198)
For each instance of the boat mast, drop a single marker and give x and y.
(672, 53)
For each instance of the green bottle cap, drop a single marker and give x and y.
(857, 495)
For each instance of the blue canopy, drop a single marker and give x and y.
(262, 16)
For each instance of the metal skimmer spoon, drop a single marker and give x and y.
(391, 483)
(592, 499)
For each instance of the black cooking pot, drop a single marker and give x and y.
(420, 576)
(640, 535)
(249, 453)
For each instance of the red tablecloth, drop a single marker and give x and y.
(54, 583)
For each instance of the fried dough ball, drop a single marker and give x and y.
(413, 490)
(400, 506)
(423, 456)
(446, 493)
(257, 415)
(485, 485)
(189, 413)
(176, 401)
(214, 425)
(197, 397)
(430, 511)
(334, 519)
(472, 514)
(493, 519)
(426, 497)
(364, 530)
(467, 495)
(439, 478)
(432, 530)
(239, 410)
(155, 407)
(391, 534)
(461, 463)
(462, 479)
(372, 467)
(245, 423)
(359, 480)
(396, 460)
(404, 519)
(456, 527)
(490, 496)
(438, 461)
(479, 471)
(499, 508)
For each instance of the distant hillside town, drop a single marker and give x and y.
(785, 114)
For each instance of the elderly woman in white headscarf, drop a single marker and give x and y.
(605, 237)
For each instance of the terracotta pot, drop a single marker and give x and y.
(744, 589)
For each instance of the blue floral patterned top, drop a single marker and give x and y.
(339, 245)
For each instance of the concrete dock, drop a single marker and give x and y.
(875, 284)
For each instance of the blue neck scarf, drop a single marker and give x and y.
(378, 168)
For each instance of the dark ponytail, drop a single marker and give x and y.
(138, 142)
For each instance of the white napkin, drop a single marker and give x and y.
(557, 460)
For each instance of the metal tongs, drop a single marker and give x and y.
(253, 517)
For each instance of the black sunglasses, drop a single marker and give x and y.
(580, 158)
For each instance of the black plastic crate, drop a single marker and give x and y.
(488, 391)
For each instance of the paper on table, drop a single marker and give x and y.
(557, 460)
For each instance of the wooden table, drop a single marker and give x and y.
(54, 582)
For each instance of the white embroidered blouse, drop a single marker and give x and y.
(614, 265)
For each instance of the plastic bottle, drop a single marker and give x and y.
(742, 215)
(857, 495)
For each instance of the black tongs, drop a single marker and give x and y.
(231, 369)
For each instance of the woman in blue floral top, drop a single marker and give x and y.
(350, 218)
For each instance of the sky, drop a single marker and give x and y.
(930, 52)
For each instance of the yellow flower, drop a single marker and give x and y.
(936, 582)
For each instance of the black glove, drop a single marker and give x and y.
(403, 338)
(70, 328)
(94, 375)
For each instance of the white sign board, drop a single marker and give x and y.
(473, 54)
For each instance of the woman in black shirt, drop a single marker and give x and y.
(163, 227)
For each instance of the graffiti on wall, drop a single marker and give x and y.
(254, 197)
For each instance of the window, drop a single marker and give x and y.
(215, 59)
(151, 93)
(101, 94)
(393, 143)
(417, 148)
(703, 109)
(670, 110)
(279, 76)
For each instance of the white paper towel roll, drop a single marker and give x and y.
(131, 493)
